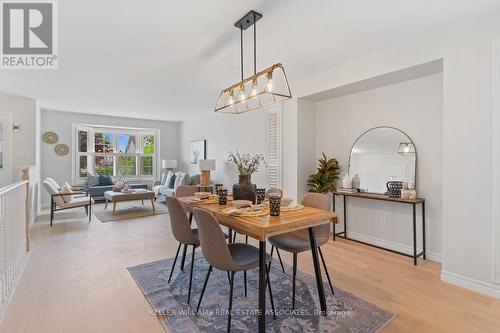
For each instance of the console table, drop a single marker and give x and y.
(382, 197)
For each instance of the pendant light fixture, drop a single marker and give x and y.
(263, 88)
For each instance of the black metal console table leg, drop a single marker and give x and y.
(334, 231)
(423, 230)
(345, 217)
(414, 234)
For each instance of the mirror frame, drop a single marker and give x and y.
(389, 127)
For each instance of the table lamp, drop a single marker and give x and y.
(205, 167)
(168, 165)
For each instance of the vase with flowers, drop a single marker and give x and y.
(246, 164)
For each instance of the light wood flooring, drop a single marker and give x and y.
(76, 281)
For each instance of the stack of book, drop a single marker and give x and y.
(347, 190)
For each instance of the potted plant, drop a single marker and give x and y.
(246, 165)
(324, 180)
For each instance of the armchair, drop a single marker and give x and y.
(57, 200)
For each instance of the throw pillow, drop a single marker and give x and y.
(172, 181)
(195, 180)
(93, 180)
(179, 178)
(168, 177)
(66, 189)
(105, 180)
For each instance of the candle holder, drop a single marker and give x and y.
(274, 204)
(218, 187)
(222, 196)
(260, 194)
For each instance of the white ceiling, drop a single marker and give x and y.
(170, 59)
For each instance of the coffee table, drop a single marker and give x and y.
(137, 194)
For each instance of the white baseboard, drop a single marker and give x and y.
(434, 256)
(482, 287)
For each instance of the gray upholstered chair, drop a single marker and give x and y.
(181, 229)
(185, 191)
(235, 257)
(298, 241)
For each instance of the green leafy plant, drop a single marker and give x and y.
(323, 181)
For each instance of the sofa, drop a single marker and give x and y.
(184, 185)
(96, 190)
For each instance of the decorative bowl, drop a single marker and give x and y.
(202, 195)
(241, 203)
(285, 202)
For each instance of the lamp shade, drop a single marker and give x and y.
(406, 148)
(168, 164)
(207, 165)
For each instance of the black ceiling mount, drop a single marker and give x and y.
(248, 20)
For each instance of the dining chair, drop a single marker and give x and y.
(181, 229)
(298, 241)
(232, 258)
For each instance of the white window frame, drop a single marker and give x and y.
(139, 133)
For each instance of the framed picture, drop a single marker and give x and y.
(198, 151)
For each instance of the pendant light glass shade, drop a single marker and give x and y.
(406, 148)
(264, 88)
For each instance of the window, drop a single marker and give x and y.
(129, 153)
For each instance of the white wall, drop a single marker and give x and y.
(59, 167)
(415, 107)
(467, 256)
(467, 136)
(24, 142)
(224, 133)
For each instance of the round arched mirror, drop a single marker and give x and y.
(380, 155)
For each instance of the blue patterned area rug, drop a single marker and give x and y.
(347, 313)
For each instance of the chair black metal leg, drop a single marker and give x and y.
(294, 275)
(234, 238)
(228, 277)
(203, 290)
(90, 212)
(281, 261)
(270, 261)
(326, 269)
(270, 293)
(175, 260)
(183, 258)
(245, 278)
(191, 274)
(246, 239)
(230, 302)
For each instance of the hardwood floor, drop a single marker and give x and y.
(76, 281)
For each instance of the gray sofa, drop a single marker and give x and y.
(187, 186)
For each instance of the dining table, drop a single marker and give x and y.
(264, 226)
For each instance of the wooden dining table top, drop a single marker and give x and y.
(262, 227)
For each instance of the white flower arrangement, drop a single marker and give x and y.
(246, 163)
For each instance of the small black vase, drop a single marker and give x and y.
(244, 190)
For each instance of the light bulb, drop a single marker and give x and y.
(269, 86)
(254, 88)
(231, 98)
(242, 93)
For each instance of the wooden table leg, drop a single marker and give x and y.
(317, 270)
(114, 207)
(262, 286)
(153, 204)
